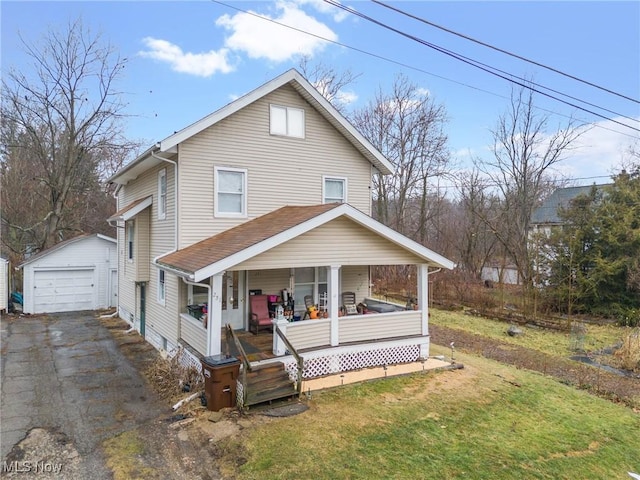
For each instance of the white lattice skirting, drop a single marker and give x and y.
(328, 362)
(186, 358)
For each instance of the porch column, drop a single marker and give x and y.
(214, 340)
(334, 302)
(423, 305)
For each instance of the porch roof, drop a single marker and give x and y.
(131, 210)
(227, 249)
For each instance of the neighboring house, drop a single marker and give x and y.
(546, 216)
(271, 192)
(4, 284)
(77, 274)
(507, 274)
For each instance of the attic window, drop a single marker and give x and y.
(287, 121)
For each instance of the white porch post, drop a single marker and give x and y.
(214, 340)
(334, 302)
(423, 305)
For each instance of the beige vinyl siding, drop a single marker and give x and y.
(355, 278)
(377, 326)
(340, 241)
(160, 240)
(280, 170)
(194, 334)
(309, 334)
(271, 282)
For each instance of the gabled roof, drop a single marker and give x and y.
(236, 245)
(547, 213)
(65, 243)
(131, 210)
(168, 146)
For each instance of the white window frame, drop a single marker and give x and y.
(162, 195)
(162, 286)
(216, 192)
(334, 178)
(315, 285)
(287, 131)
(130, 240)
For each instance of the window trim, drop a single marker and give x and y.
(216, 192)
(344, 181)
(162, 286)
(162, 199)
(130, 241)
(286, 109)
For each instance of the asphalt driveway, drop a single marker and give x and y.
(64, 377)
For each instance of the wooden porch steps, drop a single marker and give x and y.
(268, 382)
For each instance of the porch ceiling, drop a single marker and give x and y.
(237, 245)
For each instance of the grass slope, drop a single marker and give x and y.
(487, 421)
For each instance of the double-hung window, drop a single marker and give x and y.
(310, 281)
(230, 192)
(162, 194)
(162, 288)
(334, 190)
(130, 239)
(288, 121)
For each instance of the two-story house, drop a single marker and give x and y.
(272, 192)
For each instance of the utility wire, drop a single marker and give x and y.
(470, 62)
(404, 65)
(377, 2)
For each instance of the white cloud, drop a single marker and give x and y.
(321, 6)
(260, 38)
(199, 64)
(600, 151)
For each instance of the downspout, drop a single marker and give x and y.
(175, 215)
(209, 303)
(175, 220)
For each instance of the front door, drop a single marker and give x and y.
(233, 300)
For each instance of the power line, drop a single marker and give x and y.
(471, 62)
(411, 67)
(377, 2)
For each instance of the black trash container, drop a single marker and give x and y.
(220, 381)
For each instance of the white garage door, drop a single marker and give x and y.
(63, 290)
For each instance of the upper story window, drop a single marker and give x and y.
(130, 238)
(162, 194)
(334, 190)
(230, 192)
(287, 121)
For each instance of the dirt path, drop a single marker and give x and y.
(597, 381)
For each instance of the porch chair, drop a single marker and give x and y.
(259, 313)
(349, 303)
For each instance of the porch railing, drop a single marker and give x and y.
(294, 353)
(246, 364)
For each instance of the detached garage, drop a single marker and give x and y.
(77, 274)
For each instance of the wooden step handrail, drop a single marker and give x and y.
(292, 351)
(246, 364)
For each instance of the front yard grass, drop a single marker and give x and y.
(595, 338)
(486, 421)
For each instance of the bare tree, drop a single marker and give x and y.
(524, 154)
(330, 83)
(61, 131)
(406, 125)
(475, 241)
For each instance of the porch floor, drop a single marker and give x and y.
(257, 347)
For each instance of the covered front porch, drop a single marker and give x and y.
(319, 252)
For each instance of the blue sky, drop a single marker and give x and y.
(187, 59)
